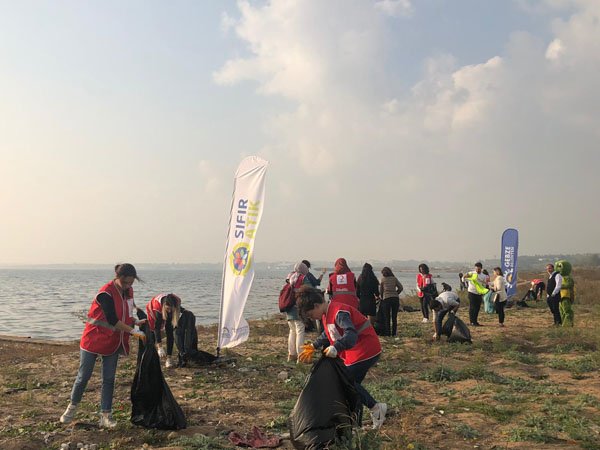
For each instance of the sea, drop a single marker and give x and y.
(51, 303)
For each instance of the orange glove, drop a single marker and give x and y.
(138, 334)
(307, 353)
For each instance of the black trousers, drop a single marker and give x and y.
(425, 305)
(389, 308)
(475, 301)
(553, 304)
(500, 311)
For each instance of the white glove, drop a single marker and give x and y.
(161, 351)
(331, 352)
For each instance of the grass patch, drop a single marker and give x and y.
(466, 432)
(499, 413)
(199, 442)
(577, 366)
(523, 357)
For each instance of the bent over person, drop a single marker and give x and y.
(163, 313)
(349, 335)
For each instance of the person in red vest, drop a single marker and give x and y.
(106, 334)
(163, 313)
(342, 284)
(347, 334)
(424, 280)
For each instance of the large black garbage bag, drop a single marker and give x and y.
(152, 403)
(186, 338)
(380, 322)
(326, 408)
(456, 330)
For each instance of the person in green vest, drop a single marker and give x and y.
(567, 293)
(475, 291)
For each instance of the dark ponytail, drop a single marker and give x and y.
(126, 270)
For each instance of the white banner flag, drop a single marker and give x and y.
(238, 273)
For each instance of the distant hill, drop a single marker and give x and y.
(525, 262)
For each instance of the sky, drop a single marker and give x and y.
(394, 129)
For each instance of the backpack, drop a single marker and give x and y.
(287, 299)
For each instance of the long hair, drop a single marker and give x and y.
(387, 272)
(367, 275)
(424, 269)
(174, 302)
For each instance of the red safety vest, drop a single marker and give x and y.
(422, 281)
(367, 345)
(99, 336)
(154, 306)
(343, 289)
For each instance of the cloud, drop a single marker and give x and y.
(458, 130)
(395, 8)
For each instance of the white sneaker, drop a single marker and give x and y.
(106, 421)
(378, 415)
(425, 320)
(69, 414)
(169, 362)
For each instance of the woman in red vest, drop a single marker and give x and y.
(106, 334)
(342, 284)
(347, 334)
(424, 279)
(163, 313)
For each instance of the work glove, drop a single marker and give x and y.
(161, 351)
(138, 334)
(306, 354)
(330, 352)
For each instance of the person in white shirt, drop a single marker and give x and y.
(553, 293)
(475, 298)
(444, 303)
(499, 288)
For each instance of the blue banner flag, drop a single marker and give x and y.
(510, 245)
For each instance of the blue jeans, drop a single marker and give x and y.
(359, 371)
(87, 361)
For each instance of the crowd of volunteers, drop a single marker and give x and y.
(351, 313)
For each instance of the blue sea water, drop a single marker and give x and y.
(51, 303)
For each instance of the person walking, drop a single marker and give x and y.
(553, 286)
(163, 313)
(367, 291)
(296, 278)
(347, 334)
(424, 281)
(389, 290)
(109, 324)
(342, 284)
(499, 289)
(475, 291)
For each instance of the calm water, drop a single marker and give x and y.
(50, 303)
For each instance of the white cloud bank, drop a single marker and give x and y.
(483, 146)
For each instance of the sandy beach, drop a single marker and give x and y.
(528, 385)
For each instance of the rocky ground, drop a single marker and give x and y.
(528, 385)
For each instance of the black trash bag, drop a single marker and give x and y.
(456, 330)
(379, 325)
(327, 407)
(152, 403)
(186, 338)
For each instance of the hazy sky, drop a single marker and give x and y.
(394, 129)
